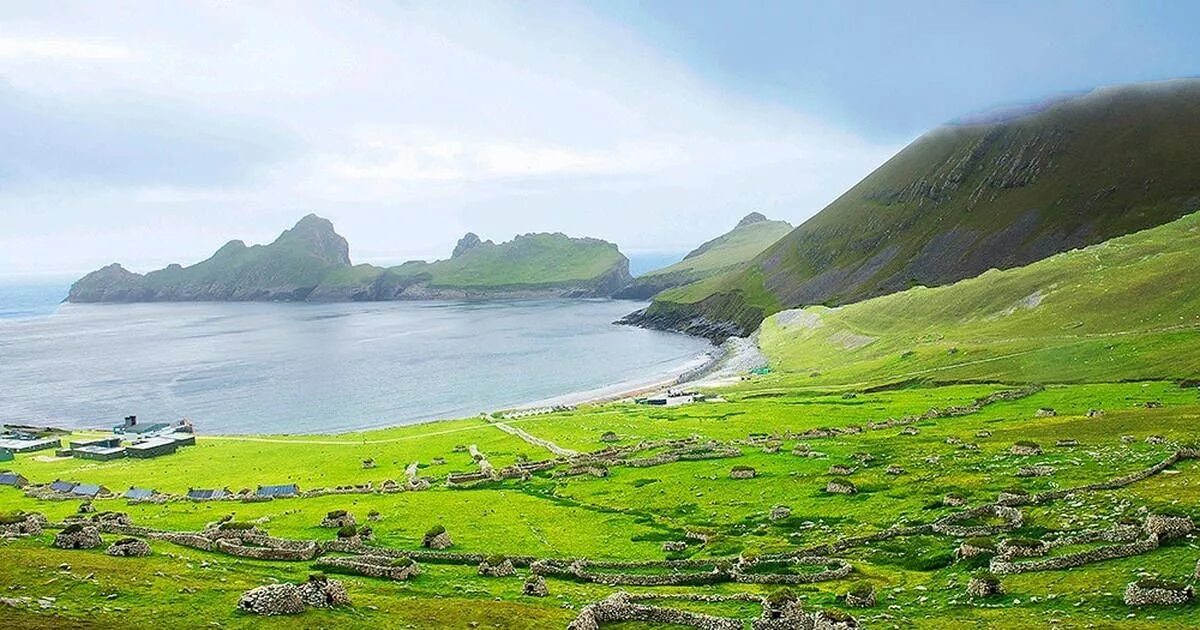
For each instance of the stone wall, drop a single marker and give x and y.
(370, 566)
(1141, 595)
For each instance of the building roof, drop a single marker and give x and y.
(87, 489)
(59, 485)
(285, 490)
(12, 479)
(153, 442)
(99, 450)
(201, 493)
(138, 493)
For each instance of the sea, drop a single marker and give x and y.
(277, 368)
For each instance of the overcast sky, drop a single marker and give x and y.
(153, 132)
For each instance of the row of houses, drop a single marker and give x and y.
(283, 491)
(140, 441)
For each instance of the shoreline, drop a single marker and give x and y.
(719, 366)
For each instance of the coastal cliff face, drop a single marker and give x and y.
(311, 262)
(996, 193)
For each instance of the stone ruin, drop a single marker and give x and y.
(1155, 439)
(1040, 470)
(19, 524)
(894, 470)
(954, 499)
(909, 430)
(290, 599)
(742, 472)
(674, 546)
(952, 440)
(1045, 412)
(436, 538)
(983, 434)
(840, 469)
(610, 437)
(974, 548)
(984, 585)
(1148, 592)
(1067, 442)
(112, 518)
(1012, 497)
(128, 547)
(862, 596)
(497, 566)
(1128, 439)
(1167, 526)
(780, 512)
(368, 463)
(338, 519)
(400, 568)
(78, 536)
(1025, 448)
(840, 486)
(272, 599)
(535, 586)
(1021, 548)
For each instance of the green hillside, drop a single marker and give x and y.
(966, 198)
(725, 253)
(528, 264)
(1126, 309)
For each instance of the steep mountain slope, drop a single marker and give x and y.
(753, 234)
(1125, 309)
(312, 262)
(966, 198)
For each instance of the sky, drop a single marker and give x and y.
(149, 133)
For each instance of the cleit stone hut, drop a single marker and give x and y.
(338, 519)
(610, 437)
(742, 472)
(496, 566)
(780, 512)
(1152, 592)
(128, 547)
(861, 596)
(78, 536)
(272, 599)
(840, 469)
(1025, 447)
(894, 470)
(1168, 526)
(984, 584)
(841, 486)
(535, 586)
(436, 538)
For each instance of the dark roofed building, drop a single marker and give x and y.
(201, 494)
(89, 490)
(13, 479)
(138, 494)
(182, 439)
(100, 453)
(151, 447)
(106, 442)
(59, 485)
(278, 492)
(27, 443)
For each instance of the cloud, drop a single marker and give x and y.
(406, 124)
(61, 48)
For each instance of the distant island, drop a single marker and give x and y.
(311, 262)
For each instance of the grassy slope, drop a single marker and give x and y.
(531, 260)
(962, 199)
(628, 514)
(1125, 309)
(528, 260)
(731, 249)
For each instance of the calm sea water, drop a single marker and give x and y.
(291, 368)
